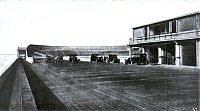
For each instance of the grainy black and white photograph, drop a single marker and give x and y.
(99, 55)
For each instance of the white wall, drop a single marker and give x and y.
(6, 61)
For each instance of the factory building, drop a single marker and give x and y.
(174, 41)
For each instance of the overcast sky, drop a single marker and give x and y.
(81, 22)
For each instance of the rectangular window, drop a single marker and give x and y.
(140, 32)
(159, 29)
(167, 27)
(174, 26)
(151, 30)
(156, 29)
(187, 24)
(199, 21)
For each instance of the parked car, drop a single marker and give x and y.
(50, 59)
(59, 58)
(73, 58)
(113, 58)
(96, 58)
(137, 59)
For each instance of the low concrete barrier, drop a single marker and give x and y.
(44, 97)
(22, 98)
(6, 86)
(15, 92)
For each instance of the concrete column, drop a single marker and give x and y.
(198, 53)
(17, 53)
(143, 50)
(148, 32)
(197, 25)
(160, 55)
(178, 54)
(170, 26)
(130, 51)
(147, 51)
(177, 26)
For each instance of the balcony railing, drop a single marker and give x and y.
(165, 37)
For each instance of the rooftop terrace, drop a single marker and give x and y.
(92, 86)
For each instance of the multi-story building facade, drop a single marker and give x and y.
(174, 41)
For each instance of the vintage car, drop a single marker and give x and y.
(73, 58)
(113, 58)
(137, 59)
(50, 59)
(96, 58)
(59, 58)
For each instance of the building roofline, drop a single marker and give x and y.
(21, 48)
(178, 17)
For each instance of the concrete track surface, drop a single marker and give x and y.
(91, 86)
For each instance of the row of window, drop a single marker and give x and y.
(180, 25)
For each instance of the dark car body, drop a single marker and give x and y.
(96, 58)
(113, 58)
(137, 59)
(73, 58)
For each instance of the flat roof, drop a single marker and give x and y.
(179, 17)
(21, 48)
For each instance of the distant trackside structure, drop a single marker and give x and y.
(21, 52)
